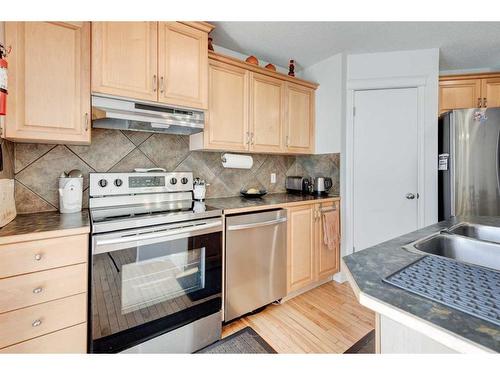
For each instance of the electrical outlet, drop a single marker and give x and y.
(273, 178)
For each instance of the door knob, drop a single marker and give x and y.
(410, 196)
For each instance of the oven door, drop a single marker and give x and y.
(149, 281)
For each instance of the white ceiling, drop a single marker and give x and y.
(463, 45)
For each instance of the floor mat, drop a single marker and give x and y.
(245, 341)
(366, 345)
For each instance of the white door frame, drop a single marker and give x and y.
(418, 82)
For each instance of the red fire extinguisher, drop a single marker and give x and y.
(3, 81)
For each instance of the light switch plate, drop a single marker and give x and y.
(273, 178)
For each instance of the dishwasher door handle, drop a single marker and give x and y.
(255, 225)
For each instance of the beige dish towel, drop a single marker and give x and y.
(331, 229)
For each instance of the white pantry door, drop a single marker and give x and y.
(385, 155)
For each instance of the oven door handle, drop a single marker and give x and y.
(191, 230)
(255, 225)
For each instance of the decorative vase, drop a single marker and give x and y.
(291, 68)
(252, 60)
(270, 67)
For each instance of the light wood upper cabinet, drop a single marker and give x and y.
(226, 124)
(327, 259)
(125, 59)
(459, 94)
(182, 65)
(266, 113)
(300, 257)
(49, 82)
(299, 119)
(469, 91)
(490, 91)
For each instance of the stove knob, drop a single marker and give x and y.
(184, 180)
(118, 182)
(102, 183)
(173, 180)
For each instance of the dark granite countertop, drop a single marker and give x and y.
(368, 267)
(236, 203)
(33, 226)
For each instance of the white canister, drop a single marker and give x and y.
(199, 189)
(70, 194)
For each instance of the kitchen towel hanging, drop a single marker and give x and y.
(331, 228)
(237, 161)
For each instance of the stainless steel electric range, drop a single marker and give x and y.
(156, 275)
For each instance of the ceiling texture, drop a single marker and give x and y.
(463, 45)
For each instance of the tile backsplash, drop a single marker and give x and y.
(37, 166)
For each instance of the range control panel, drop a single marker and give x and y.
(106, 184)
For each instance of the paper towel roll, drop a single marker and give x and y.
(237, 161)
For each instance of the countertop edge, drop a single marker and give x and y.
(279, 205)
(35, 236)
(423, 326)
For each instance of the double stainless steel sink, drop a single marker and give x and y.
(464, 242)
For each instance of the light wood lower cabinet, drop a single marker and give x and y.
(68, 340)
(309, 260)
(328, 259)
(49, 82)
(301, 246)
(43, 295)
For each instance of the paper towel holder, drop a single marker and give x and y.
(226, 156)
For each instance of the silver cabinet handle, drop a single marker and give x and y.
(37, 290)
(485, 103)
(36, 323)
(287, 142)
(410, 196)
(154, 83)
(38, 256)
(86, 121)
(255, 225)
(479, 103)
(162, 88)
(248, 138)
(252, 138)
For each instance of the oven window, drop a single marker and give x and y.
(159, 279)
(136, 285)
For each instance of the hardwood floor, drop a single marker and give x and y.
(327, 319)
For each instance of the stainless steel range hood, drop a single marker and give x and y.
(126, 114)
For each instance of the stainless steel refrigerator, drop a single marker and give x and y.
(468, 165)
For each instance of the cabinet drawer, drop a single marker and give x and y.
(26, 257)
(69, 340)
(34, 288)
(38, 320)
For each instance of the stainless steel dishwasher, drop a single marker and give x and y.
(255, 261)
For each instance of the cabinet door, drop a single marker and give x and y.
(182, 65)
(124, 59)
(457, 94)
(226, 124)
(490, 91)
(328, 259)
(299, 119)
(266, 113)
(300, 257)
(49, 88)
